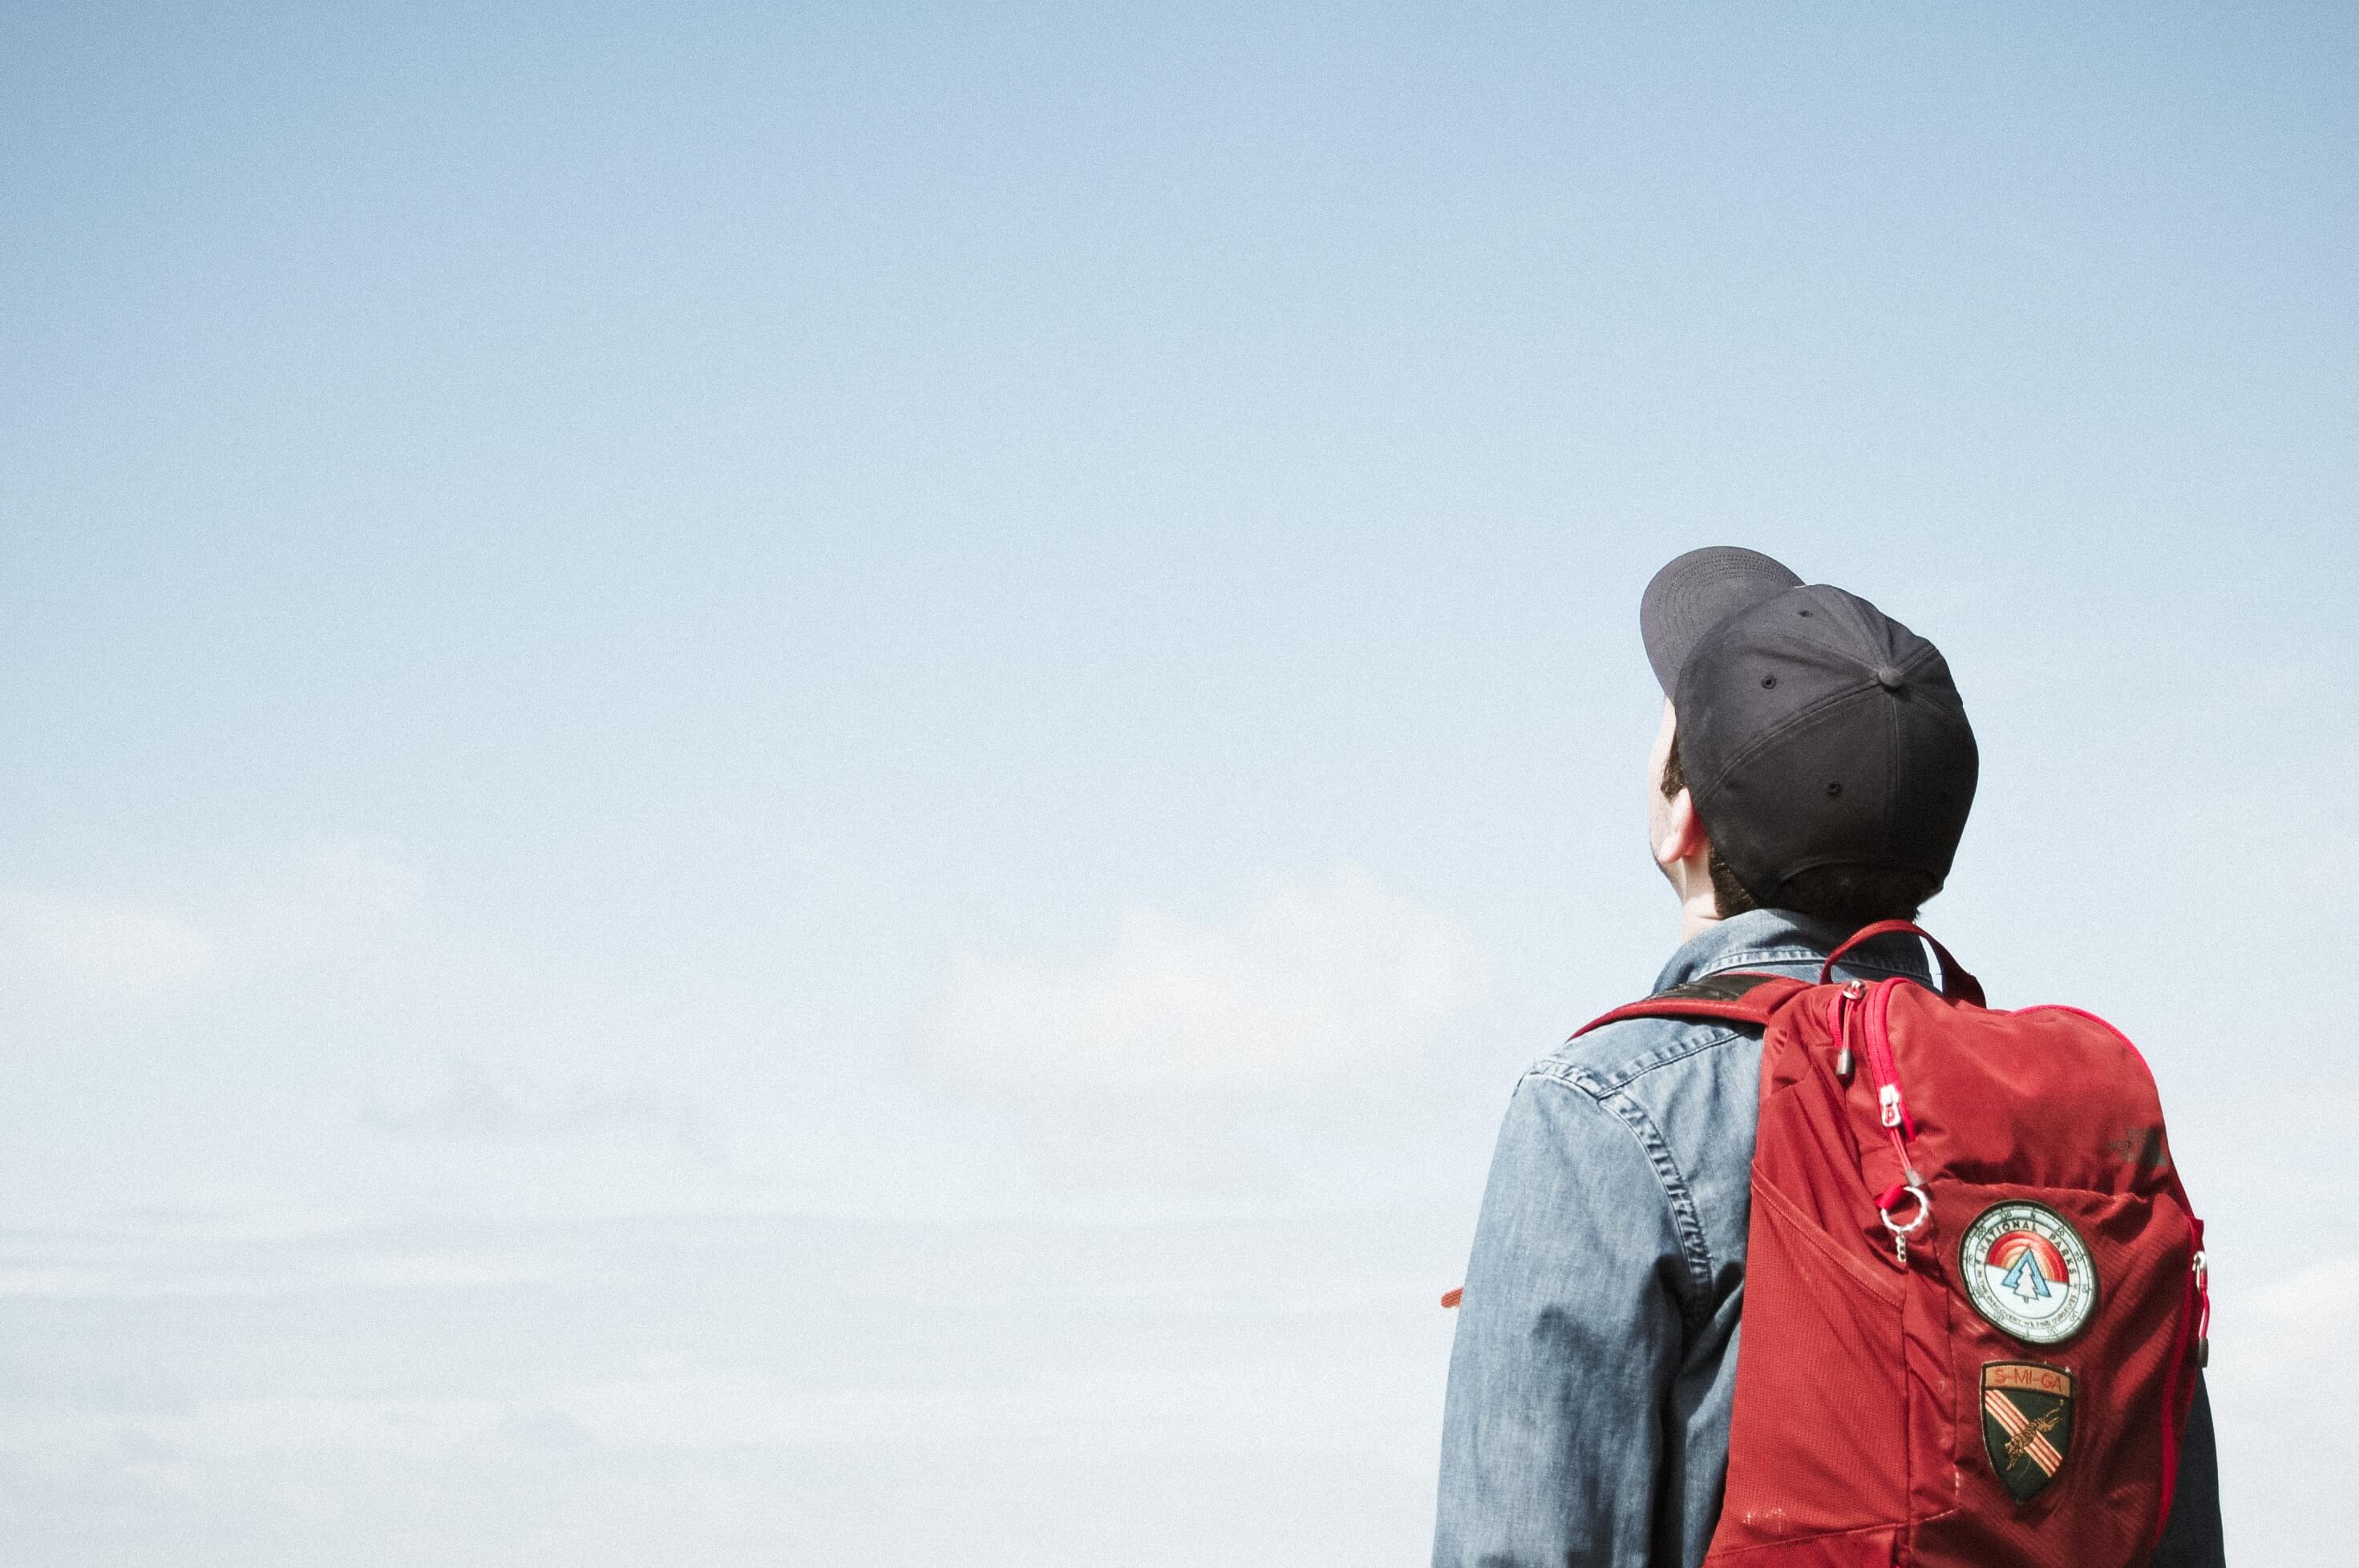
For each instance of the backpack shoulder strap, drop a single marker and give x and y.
(1739, 996)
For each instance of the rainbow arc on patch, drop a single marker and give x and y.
(2028, 1266)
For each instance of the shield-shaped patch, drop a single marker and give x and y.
(2027, 1423)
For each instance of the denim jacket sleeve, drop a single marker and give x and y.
(1568, 1339)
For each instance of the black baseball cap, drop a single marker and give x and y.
(1815, 730)
(1698, 591)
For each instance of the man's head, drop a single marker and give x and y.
(1814, 754)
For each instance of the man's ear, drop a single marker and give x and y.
(1683, 835)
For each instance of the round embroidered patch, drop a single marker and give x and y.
(2028, 1270)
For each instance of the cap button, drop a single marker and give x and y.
(1887, 677)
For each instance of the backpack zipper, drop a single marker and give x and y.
(1872, 1015)
(1892, 1108)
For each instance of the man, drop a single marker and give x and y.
(1592, 1381)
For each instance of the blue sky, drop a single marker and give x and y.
(990, 651)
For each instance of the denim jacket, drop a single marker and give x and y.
(1595, 1360)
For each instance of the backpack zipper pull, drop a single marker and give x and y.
(1853, 990)
(2202, 1267)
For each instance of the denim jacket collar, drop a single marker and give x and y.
(1759, 937)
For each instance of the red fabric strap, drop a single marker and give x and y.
(1956, 984)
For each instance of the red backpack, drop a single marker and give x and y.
(1974, 1297)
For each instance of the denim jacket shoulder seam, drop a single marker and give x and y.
(1694, 1039)
(1694, 1251)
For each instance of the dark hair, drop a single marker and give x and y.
(1845, 897)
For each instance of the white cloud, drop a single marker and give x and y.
(111, 948)
(341, 912)
(471, 1103)
(338, 910)
(1310, 981)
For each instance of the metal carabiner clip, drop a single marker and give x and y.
(1901, 1233)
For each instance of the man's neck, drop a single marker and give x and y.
(1698, 916)
(1691, 879)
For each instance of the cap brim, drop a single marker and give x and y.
(1697, 593)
